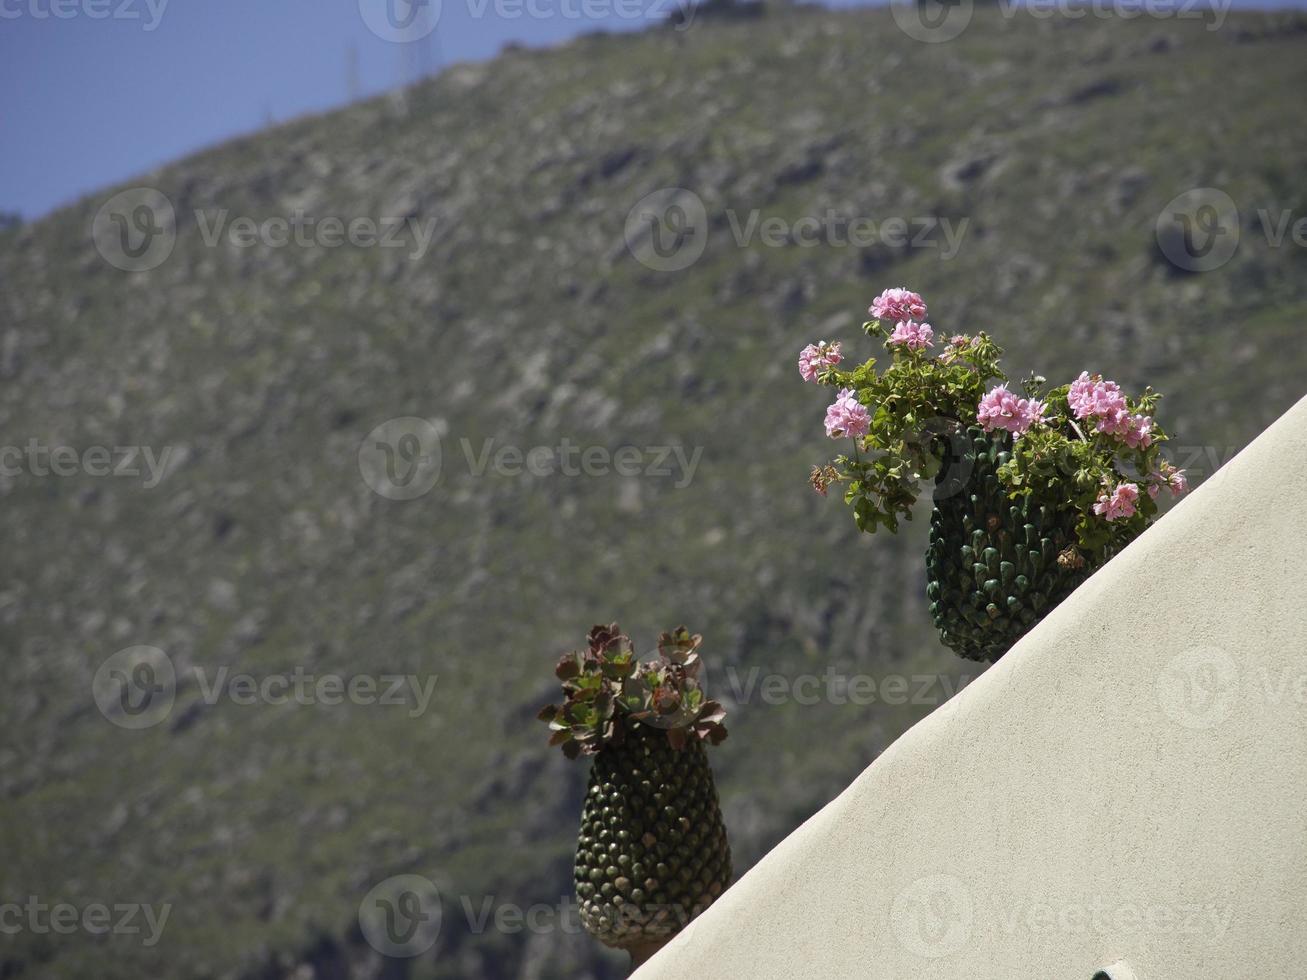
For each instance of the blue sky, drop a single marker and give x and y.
(98, 91)
(89, 100)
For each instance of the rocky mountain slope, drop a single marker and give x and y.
(531, 304)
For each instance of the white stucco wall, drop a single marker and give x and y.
(1129, 784)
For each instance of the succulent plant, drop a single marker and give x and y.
(652, 852)
(606, 690)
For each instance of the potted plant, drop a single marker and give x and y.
(652, 852)
(1033, 490)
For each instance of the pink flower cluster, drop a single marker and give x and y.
(817, 357)
(1171, 478)
(913, 335)
(847, 416)
(1139, 432)
(898, 304)
(1000, 409)
(1119, 503)
(1094, 398)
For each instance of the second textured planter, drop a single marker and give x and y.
(652, 852)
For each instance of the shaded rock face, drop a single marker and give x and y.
(516, 323)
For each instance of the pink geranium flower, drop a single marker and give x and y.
(1000, 409)
(1171, 478)
(817, 357)
(913, 335)
(1119, 503)
(1139, 432)
(1094, 397)
(1080, 396)
(1115, 422)
(898, 304)
(847, 416)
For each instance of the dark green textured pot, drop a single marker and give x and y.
(992, 568)
(652, 853)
